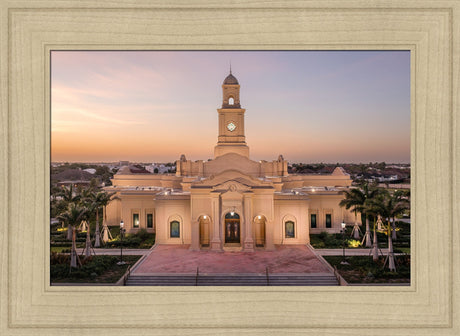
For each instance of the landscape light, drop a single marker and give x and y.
(122, 232)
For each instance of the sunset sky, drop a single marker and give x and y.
(153, 106)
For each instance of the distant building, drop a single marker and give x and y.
(230, 202)
(90, 170)
(158, 168)
(76, 183)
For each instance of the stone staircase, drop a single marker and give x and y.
(320, 279)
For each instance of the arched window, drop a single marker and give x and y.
(289, 229)
(231, 101)
(174, 229)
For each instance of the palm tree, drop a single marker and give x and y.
(74, 214)
(374, 208)
(352, 200)
(355, 199)
(401, 199)
(68, 196)
(369, 191)
(87, 201)
(389, 206)
(100, 199)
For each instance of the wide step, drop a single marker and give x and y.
(232, 280)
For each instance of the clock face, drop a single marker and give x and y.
(231, 126)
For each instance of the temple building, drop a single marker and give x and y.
(230, 202)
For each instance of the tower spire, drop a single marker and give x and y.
(230, 67)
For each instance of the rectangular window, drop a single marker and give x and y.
(174, 229)
(136, 220)
(328, 221)
(289, 229)
(149, 220)
(313, 221)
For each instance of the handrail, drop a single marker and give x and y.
(339, 278)
(268, 278)
(126, 275)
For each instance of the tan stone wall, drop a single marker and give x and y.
(236, 162)
(146, 180)
(167, 210)
(113, 213)
(298, 181)
(139, 204)
(295, 210)
(324, 204)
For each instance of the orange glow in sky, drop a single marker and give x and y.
(154, 106)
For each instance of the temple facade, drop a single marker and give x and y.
(230, 202)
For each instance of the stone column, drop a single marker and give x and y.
(195, 243)
(216, 242)
(247, 208)
(269, 246)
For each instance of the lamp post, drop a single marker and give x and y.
(122, 232)
(344, 261)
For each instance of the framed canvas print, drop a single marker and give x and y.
(33, 31)
(223, 214)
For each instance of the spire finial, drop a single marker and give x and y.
(230, 67)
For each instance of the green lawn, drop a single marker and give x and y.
(402, 250)
(60, 249)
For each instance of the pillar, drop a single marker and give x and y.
(269, 245)
(195, 243)
(248, 238)
(216, 242)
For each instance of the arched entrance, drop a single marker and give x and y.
(204, 230)
(232, 228)
(259, 230)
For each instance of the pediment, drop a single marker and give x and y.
(232, 186)
(235, 162)
(232, 180)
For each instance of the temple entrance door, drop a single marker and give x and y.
(204, 231)
(232, 228)
(259, 227)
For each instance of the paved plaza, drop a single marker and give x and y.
(178, 259)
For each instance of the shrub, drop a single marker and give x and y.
(320, 245)
(143, 234)
(323, 235)
(92, 265)
(58, 258)
(353, 243)
(59, 271)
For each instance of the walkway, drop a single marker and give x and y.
(349, 252)
(322, 252)
(116, 251)
(178, 259)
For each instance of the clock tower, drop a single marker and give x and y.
(231, 121)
